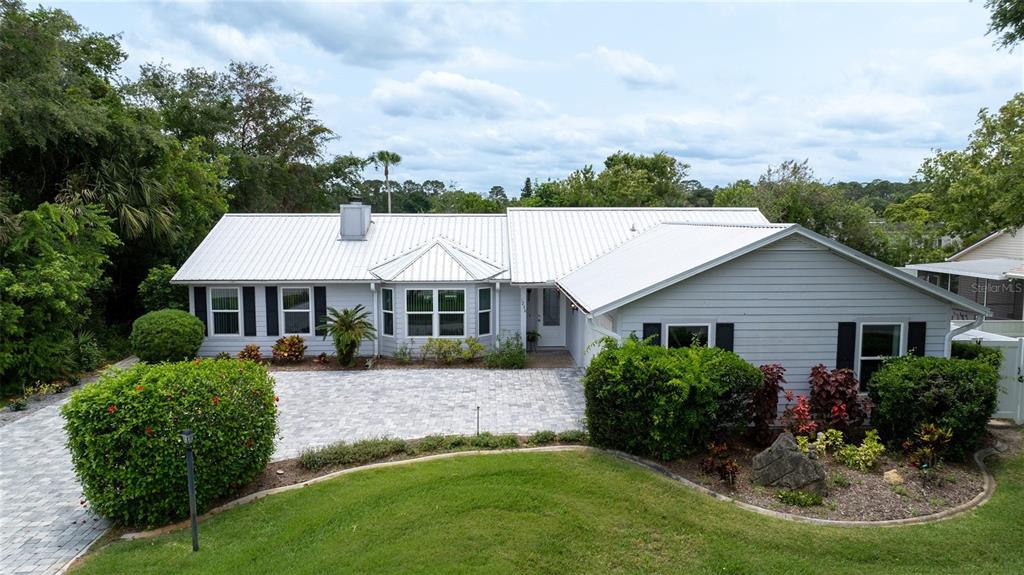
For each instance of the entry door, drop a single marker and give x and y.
(551, 322)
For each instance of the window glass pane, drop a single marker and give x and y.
(485, 323)
(225, 322)
(550, 309)
(451, 300)
(224, 299)
(485, 299)
(868, 367)
(296, 322)
(686, 335)
(388, 300)
(419, 300)
(880, 340)
(294, 299)
(451, 323)
(421, 324)
(389, 324)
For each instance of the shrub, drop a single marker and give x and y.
(829, 441)
(124, 434)
(863, 456)
(17, 404)
(403, 355)
(290, 348)
(928, 446)
(348, 328)
(955, 394)
(474, 349)
(665, 403)
(251, 352)
(764, 405)
(835, 403)
(508, 353)
(797, 418)
(167, 335)
(222, 355)
(799, 498)
(542, 438)
(355, 453)
(573, 436)
(970, 350)
(442, 350)
(85, 352)
(488, 440)
(157, 292)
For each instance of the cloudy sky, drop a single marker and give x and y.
(487, 94)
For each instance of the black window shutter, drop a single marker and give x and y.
(723, 336)
(916, 331)
(320, 307)
(270, 293)
(199, 303)
(653, 329)
(249, 310)
(847, 344)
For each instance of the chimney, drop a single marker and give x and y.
(355, 221)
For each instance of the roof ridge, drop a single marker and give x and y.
(728, 225)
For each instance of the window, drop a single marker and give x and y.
(225, 309)
(387, 305)
(296, 309)
(877, 341)
(551, 308)
(419, 311)
(484, 311)
(451, 307)
(687, 335)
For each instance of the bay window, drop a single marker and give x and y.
(419, 312)
(425, 319)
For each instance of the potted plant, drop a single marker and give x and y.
(532, 337)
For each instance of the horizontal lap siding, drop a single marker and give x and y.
(786, 302)
(511, 310)
(339, 296)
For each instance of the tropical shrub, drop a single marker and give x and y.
(863, 456)
(835, 403)
(829, 441)
(167, 335)
(474, 349)
(764, 404)
(124, 434)
(86, 354)
(251, 352)
(955, 394)
(928, 446)
(797, 419)
(969, 350)
(508, 353)
(665, 403)
(442, 350)
(157, 292)
(289, 349)
(348, 328)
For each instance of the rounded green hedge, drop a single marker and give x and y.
(124, 434)
(958, 394)
(665, 403)
(167, 335)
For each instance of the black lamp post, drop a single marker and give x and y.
(186, 436)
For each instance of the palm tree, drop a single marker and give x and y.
(348, 328)
(386, 159)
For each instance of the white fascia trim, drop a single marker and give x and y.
(976, 244)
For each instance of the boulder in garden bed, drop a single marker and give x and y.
(784, 466)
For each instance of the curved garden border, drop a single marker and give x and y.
(980, 499)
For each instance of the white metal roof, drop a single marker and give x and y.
(438, 260)
(305, 247)
(548, 243)
(993, 268)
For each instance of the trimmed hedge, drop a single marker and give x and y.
(958, 394)
(965, 350)
(124, 434)
(665, 403)
(167, 335)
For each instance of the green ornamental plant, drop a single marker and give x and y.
(289, 349)
(442, 350)
(863, 456)
(166, 335)
(348, 328)
(508, 353)
(124, 435)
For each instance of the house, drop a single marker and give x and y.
(724, 277)
(989, 272)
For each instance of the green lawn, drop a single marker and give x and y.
(558, 513)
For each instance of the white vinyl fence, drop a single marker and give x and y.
(1011, 373)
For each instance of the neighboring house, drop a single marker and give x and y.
(724, 277)
(990, 272)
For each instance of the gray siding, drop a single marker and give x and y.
(511, 310)
(1004, 246)
(786, 301)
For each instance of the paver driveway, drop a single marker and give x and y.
(43, 525)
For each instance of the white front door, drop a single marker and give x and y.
(551, 318)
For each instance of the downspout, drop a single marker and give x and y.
(948, 344)
(376, 320)
(496, 309)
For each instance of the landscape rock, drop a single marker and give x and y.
(784, 466)
(893, 477)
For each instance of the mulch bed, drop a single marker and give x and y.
(861, 497)
(362, 363)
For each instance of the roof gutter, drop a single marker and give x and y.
(948, 343)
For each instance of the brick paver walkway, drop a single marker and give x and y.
(43, 525)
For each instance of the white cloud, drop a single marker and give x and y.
(635, 70)
(442, 94)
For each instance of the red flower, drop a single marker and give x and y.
(216, 400)
(149, 431)
(112, 408)
(138, 388)
(276, 398)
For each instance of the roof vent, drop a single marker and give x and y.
(355, 221)
(632, 227)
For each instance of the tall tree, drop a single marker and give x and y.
(385, 159)
(527, 190)
(497, 194)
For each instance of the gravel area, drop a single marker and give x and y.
(853, 495)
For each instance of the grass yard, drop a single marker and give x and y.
(558, 513)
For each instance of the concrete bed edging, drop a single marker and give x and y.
(976, 501)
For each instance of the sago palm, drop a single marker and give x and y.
(348, 328)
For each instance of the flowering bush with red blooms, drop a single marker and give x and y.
(124, 434)
(764, 405)
(835, 403)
